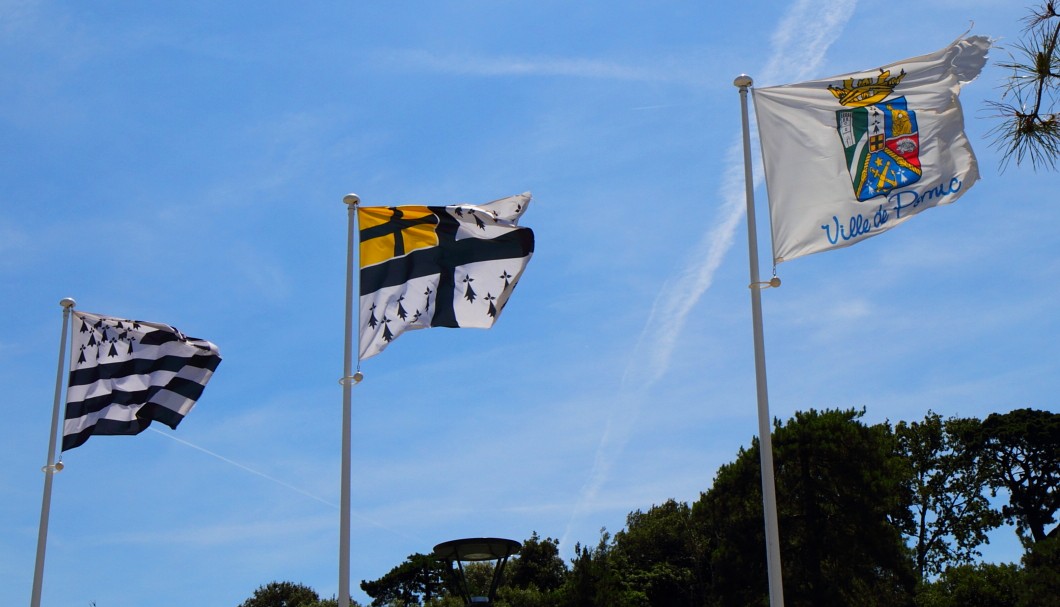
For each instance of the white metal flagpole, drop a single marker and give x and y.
(765, 441)
(51, 468)
(348, 379)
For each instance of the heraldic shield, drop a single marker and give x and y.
(882, 147)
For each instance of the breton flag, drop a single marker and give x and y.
(850, 156)
(451, 266)
(124, 374)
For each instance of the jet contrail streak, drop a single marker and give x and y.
(285, 484)
(246, 468)
(799, 43)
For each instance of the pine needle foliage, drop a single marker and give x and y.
(1029, 130)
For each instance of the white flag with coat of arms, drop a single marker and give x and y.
(851, 156)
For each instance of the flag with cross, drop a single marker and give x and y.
(434, 266)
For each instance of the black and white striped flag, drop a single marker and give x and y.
(124, 374)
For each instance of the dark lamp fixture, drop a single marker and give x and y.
(478, 549)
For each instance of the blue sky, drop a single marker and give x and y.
(185, 163)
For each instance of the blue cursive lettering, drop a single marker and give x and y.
(858, 226)
(880, 217)
(911, 199)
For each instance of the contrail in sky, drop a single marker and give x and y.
(799, 44)
(246, 468)
(279, 482)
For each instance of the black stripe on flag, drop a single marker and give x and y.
(142, 366)
(186, 388)
(110, 427)
(444, 258)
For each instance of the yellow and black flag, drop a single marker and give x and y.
(452, 266)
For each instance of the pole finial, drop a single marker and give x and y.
(351, 199)
(743, 81)
(67, 302)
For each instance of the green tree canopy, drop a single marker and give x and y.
(983, 585)
(1041, 574)
(730, 514)
(841, 504)
(1022, 450)
(282, 594)
(596, 578)
(947, 486)
(419, 579)
(664, 554)
(538, 564)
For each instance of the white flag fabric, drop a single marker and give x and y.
(851, 156)
(126, 373)
(438, 266)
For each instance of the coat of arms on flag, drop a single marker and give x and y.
(438, 266)
(124, 374)
(880, 136)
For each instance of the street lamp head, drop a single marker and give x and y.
(477, 549)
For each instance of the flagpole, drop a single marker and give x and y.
(765, 441)
(51, 468)
(348, 379)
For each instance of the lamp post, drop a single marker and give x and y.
(478, 549)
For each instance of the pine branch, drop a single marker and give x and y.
(1031, 134)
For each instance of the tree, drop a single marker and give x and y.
(282, 594)
(730, 516)
(531, 596)
(947, 485)
(663, 553)
(841, 502)
(538, 564)
(1041, 574)
(1022, 451)
(1031, 127)
(596, 579)
(420, 578)
(983, 585)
